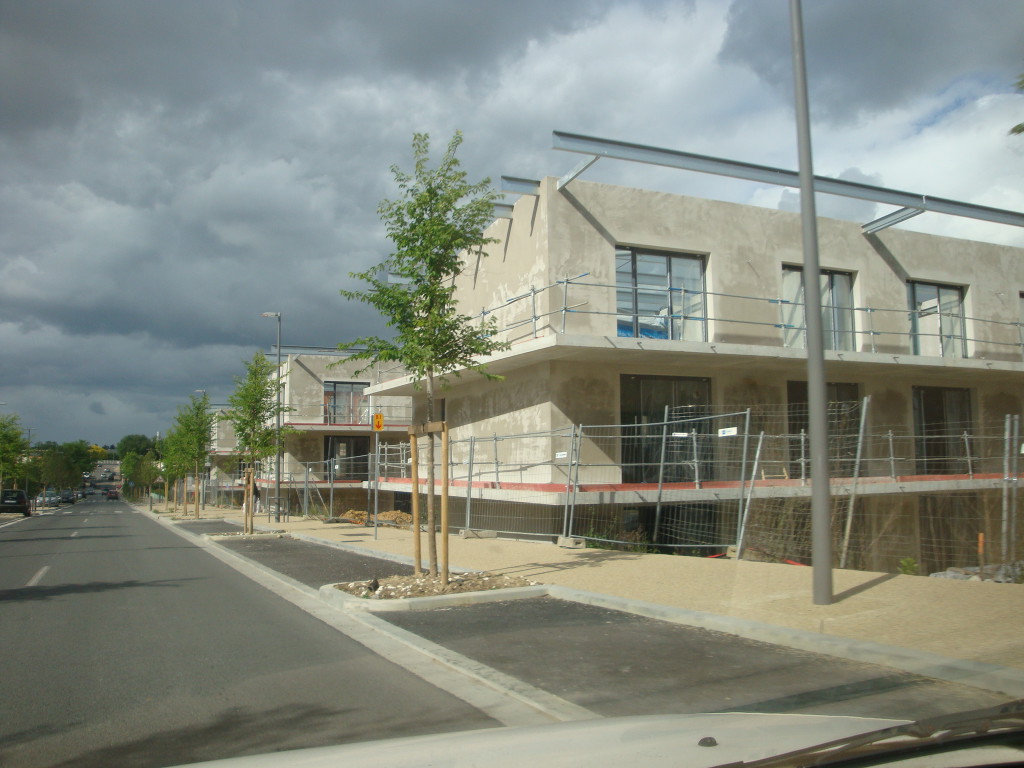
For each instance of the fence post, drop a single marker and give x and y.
(967, 454)
(892, 456)
(469, 483)
(742, 511)
(497, 471)
(661, 478)
(696, 460)
(305, 494)
(576, 479)
(1015, 454)
(853, 488)
(568, 481)
(742, 532)
(1007, 432)
(803, 457)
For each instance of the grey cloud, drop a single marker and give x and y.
(878, 54)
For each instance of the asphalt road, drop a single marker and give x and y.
(124, 644)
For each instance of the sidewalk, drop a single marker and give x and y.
(969, 621)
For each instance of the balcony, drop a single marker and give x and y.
(577, 306)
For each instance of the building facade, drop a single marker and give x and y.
(656, 380)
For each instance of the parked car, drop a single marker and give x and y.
(14, 501)
(67, 496)
(49, 500)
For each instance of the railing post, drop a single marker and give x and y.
(533, 308)
(565, 312)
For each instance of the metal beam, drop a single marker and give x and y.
(672, 158)
(576, 171)
(889, 219)
(516, 186)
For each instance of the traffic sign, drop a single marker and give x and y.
(378, 422)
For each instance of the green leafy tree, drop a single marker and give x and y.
(253, 412)
(175, 462)
(437, 221)
(146, 473)
(13, 447)
(194, 428)
(129, 467)
(137, 444)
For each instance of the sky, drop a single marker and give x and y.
(171, 170)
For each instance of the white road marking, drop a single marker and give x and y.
(38, 577)
(75, 533)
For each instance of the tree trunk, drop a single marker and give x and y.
(431, 519)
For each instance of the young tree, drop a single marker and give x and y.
(175, 463)
(194, 428)
(129, 467)
(13, 447)
(146, 474)
(253, 410)
(439, 218)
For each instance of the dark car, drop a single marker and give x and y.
(13, 500)
(112, 494)
(67, 497)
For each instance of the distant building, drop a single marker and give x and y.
(328, 436)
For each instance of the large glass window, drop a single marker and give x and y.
(836, 309)
(660, 295)
(941, 417)
(937, 319)
(642, 406)
(345, 403)
(347, 457)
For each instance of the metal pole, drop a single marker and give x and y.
(661, 478)
(469, 484)
(853, 488)
(817, 397)
(277, 476)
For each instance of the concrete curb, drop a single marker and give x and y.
(330, 594)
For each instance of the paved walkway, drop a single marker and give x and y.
(969, 621)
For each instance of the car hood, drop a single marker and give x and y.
(694, 741)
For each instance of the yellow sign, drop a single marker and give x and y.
(378, 422)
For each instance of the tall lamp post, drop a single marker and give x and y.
(277, 472)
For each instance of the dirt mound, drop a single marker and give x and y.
(393, 517)
(399, 587)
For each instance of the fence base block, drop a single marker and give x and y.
(468, 533)
(568, 542)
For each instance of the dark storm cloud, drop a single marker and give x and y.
(869, 55)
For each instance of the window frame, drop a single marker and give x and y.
(683, 306)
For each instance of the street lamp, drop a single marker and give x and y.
(277, 475)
